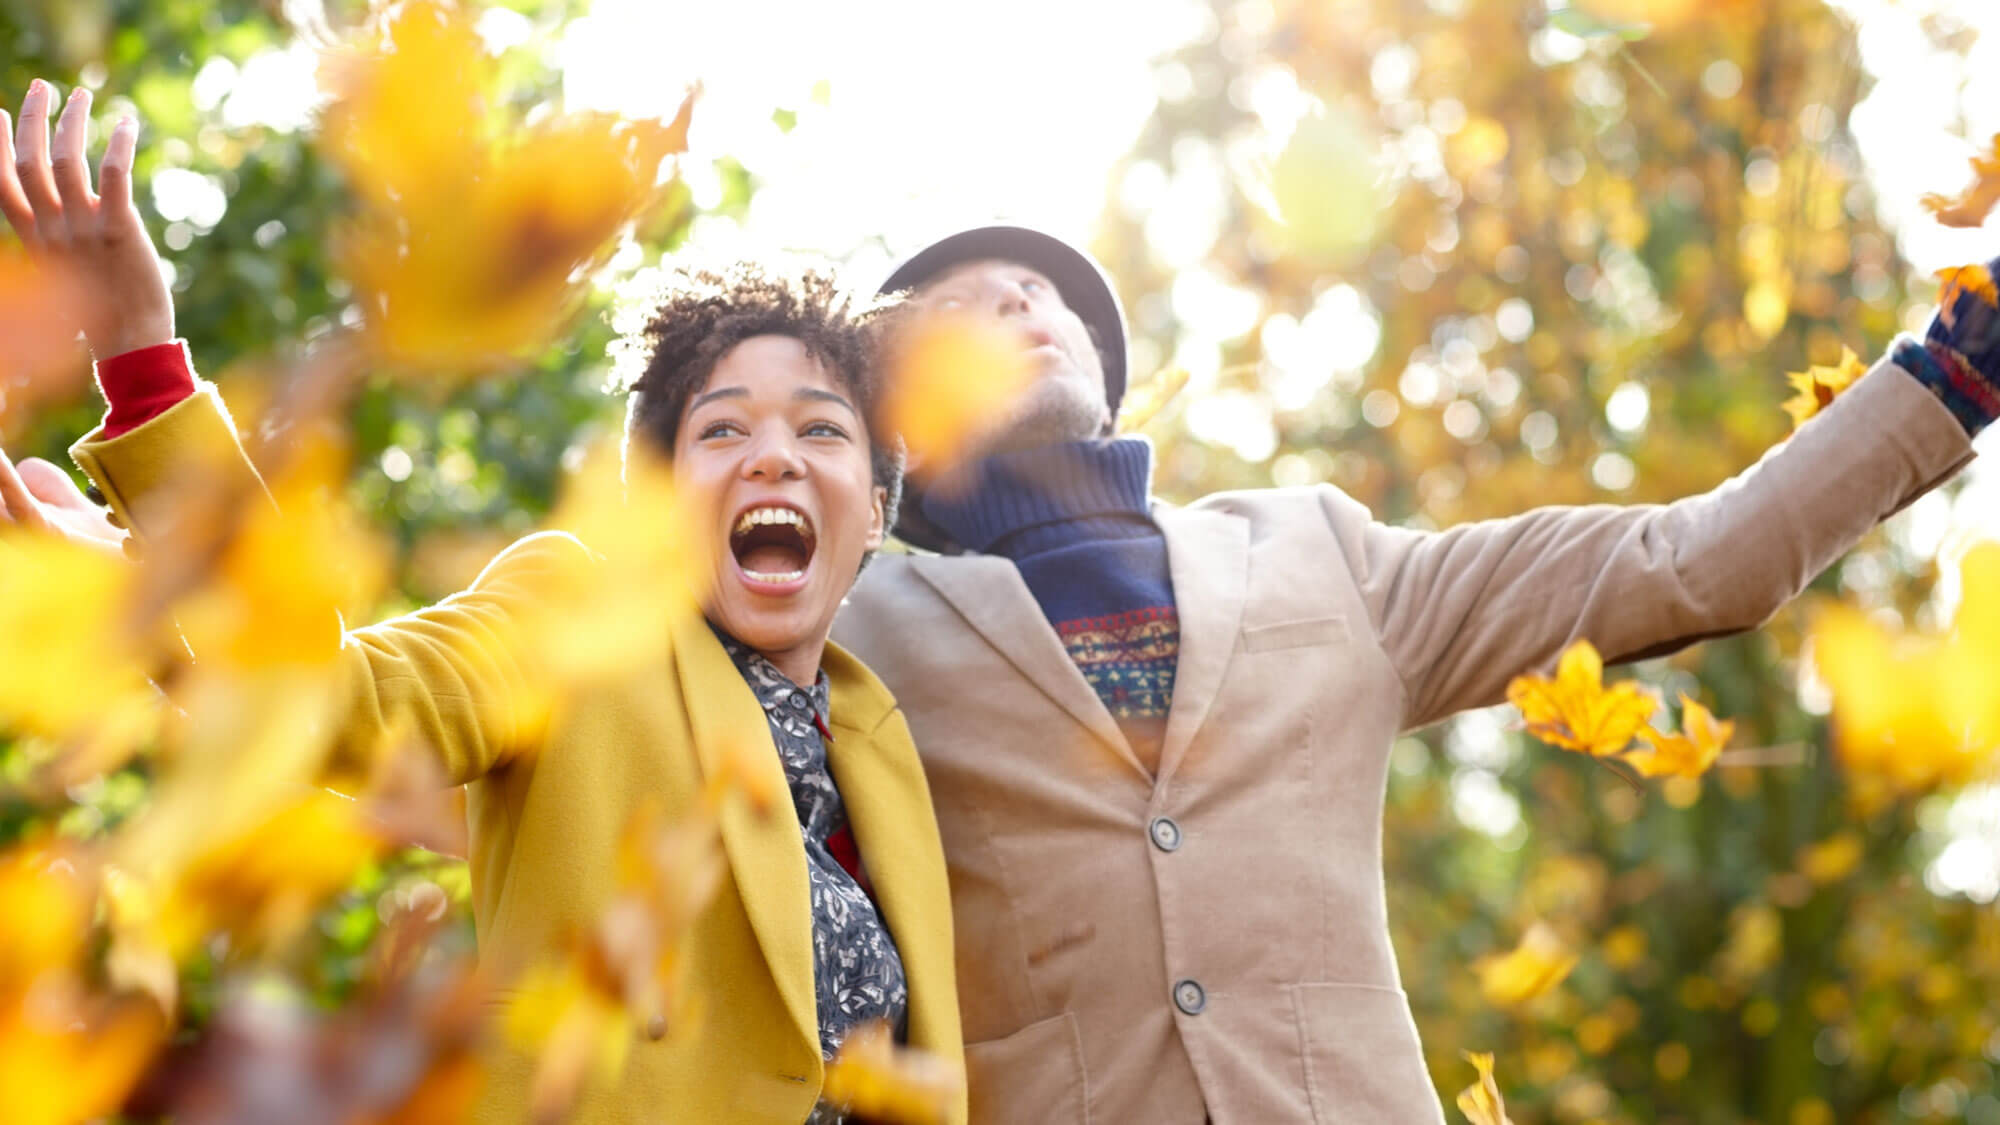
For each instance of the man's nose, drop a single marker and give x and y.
(1010, 299)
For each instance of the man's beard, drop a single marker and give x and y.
(1050, 413)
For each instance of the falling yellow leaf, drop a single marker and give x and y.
(1817, 387)
(74, 670)
(1481, 1102)
(1686, 754)
(1975, 279)
(1575, 710)
(872, 1078)
(39, 318)
(952, 378)
(1913, 712)
(467, 252)
(1144, 402)
(1532, 968)
(577, 1032)
(1970, 207)
(1767, 305)
(1323, 196)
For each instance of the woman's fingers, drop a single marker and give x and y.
(15, 501)
(52, 486)
(66, 160)
(114, 177)
(31, 161)
(13, 204)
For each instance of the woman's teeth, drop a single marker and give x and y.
(757, 517)
(773, 579)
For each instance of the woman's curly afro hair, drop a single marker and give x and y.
(702, 312)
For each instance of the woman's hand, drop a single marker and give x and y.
(39, 496)
(46, 195)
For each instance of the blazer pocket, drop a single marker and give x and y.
(1294, 634)
(1363, 1065)
(1032, 1077)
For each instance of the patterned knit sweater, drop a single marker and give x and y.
(1073, 519)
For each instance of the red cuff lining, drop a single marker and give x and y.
(141, 385)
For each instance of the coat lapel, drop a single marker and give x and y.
(766, 854)
(989, 594)
(1208, 553)
(889, 808)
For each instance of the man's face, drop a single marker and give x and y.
(1065, 399)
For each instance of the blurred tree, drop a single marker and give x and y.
(1597, 250)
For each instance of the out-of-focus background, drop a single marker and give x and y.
(1529, 254)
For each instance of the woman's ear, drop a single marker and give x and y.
(878, 507)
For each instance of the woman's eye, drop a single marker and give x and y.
(719, 429)
(824, 429)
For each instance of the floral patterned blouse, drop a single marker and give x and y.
(857, 972)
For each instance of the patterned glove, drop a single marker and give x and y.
(1959, 359)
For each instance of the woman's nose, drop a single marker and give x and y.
(774, 456)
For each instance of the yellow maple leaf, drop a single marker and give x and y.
(467, 252)
(1971, 206)
(1144, 402)
(1528, 970)
(1974, 279)
(1686, 754)
(1817, 387)
(1481, 1102)
(1575, 710)
(1913, 712)
(873, 1078)
(951, 379)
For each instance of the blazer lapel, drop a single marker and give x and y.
(989, 594)
(1208, 553)
(766, 854)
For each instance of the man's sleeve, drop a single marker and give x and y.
(1463, 611)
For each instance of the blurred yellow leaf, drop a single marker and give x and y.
(1817, 387)
(576, 1031)
(1575, 710)
(1144, 402)
(39, 318)
(1974, 279)
(73, 668)
(874, 1079)
(1767, 305)
(1970, 207)
(468, 251)
(264, 885)
(1532, 968)
(952, 378)
(1481, 1102)
(1914, 712)
(1323, 194)
(1686, 754)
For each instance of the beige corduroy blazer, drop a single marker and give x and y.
(1236, 963)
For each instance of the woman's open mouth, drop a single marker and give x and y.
(773, 545)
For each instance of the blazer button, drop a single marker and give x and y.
(131, 548)
(1189, 997)
(95, 495)
(1166, 834)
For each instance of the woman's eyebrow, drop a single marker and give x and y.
(711, 396)
(814, 394)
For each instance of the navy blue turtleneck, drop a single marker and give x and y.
(1073, 519)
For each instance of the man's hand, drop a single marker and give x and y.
(46, 196)
(39, 496)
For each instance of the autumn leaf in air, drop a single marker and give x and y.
(876, 1080)
(1817, 387)
(1530, 969)
(1687, 753)
(1958, 280)
(951, 379)
(1970, 206)
(1481, 1102)
(1575, 710)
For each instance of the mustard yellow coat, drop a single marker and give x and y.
(547, 809)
